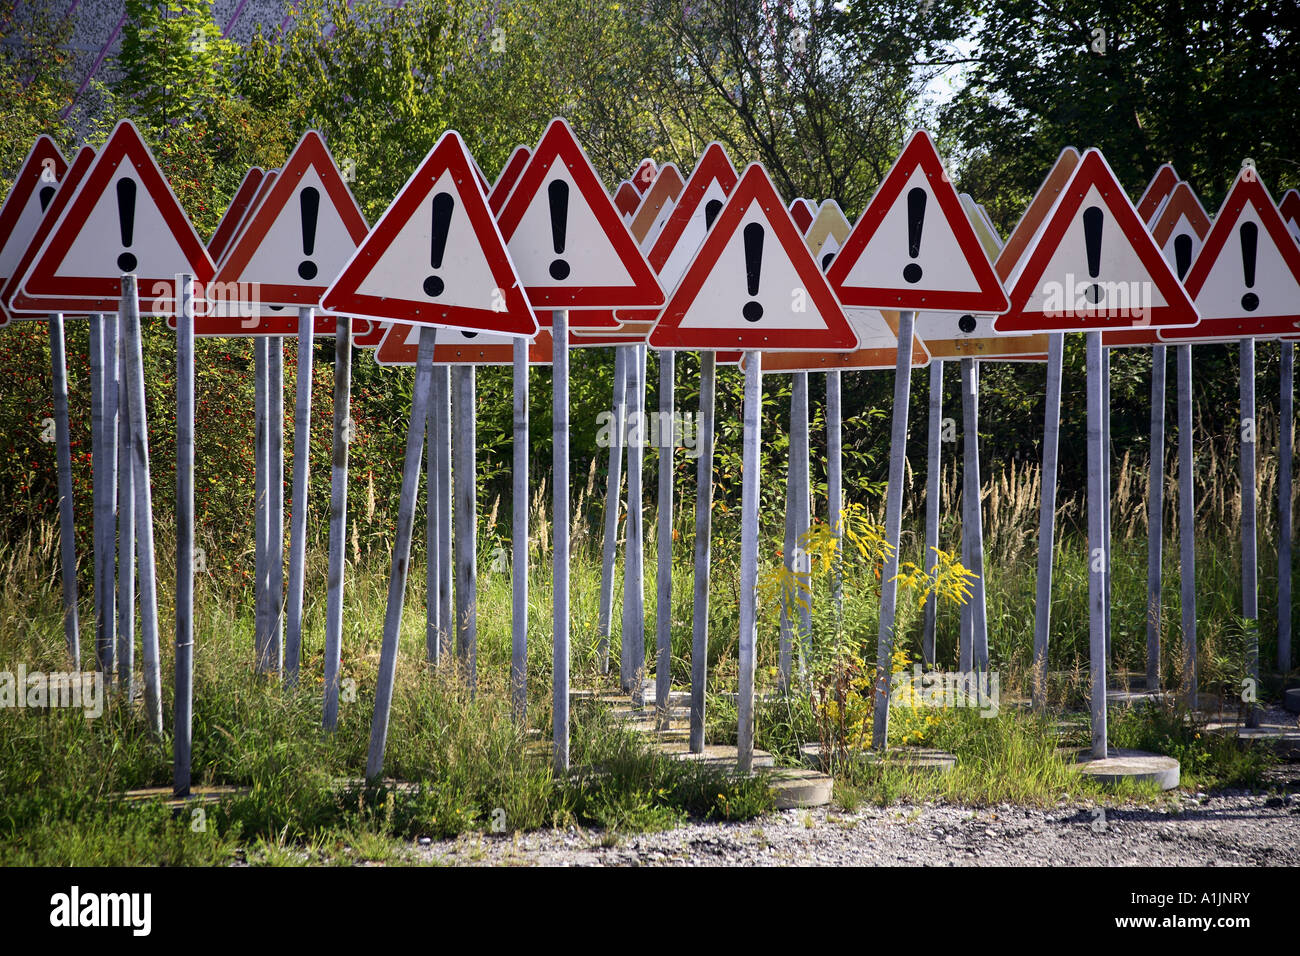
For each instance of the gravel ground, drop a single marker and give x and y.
(1229, 828)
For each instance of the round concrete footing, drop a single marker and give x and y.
(800, 788)
(906, 758)
(1136, 696)
(714, 755)
(1132, 765)
(196, 796)
(1291, 700)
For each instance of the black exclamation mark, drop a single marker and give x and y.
(443, 204)
(711, 210)
(1093, 217)
(309, 203)
(1182, 254)
(827, 260)
(1249, 233)
(126, 221)
(753, 237)
(46, 194)
(915, 221)
(558, 194)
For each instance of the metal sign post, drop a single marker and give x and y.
(560, 550)
(342, 435)
(749, 560)
(401, 556)
(183, 677)
(298, 514)
(893, 526)
(1047, 516)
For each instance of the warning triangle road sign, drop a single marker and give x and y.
(801, 211)
(16, 302)
(697, 206)
(644, 176)
(1157, 191)
(913, 247)
(971, 335)
(1035, 214)
(240, 204)
(826, 236)
(226, 315)
(400, 345)
(368, 333)
(218, 252)
(124, 218)
(1093, 266)
(301, 235)
(509, 176)
(753, 284)
(584, 319)
(265, 320)
(657, 205)
(1179, 229)
(436, 256)
(1289, 207)
(1246, 279)
(877, 332)
(626, 200)
(571, 248)
(985, 231)
(26, 203)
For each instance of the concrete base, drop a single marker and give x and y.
(1136, 696)
(196, 796)
(714, 755)
(1131, 765)
(676, 698)
(800, 788)
(1291, 700)
(920, 759)
(1282, 738)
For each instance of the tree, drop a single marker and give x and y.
(1202, 85)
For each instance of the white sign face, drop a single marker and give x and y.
(125, 231)
(872, 330)
(1182, 247)
(29, 218)
(951, 325)
(826, 255)
(1293, 227)
(715, 197)
(1094, 262)
(307, 242)
(753, 285)
(913, 247)
(983, 226)
(1249, 278)
(436, 256)
(956, 326)
(411, 337)
(559, 243)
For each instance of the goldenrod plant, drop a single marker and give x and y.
(839, 659)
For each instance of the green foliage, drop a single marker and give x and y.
(1147, 83)
(1205, 759)
(173, 60)
(35, 82)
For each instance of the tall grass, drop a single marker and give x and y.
(62, 776)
